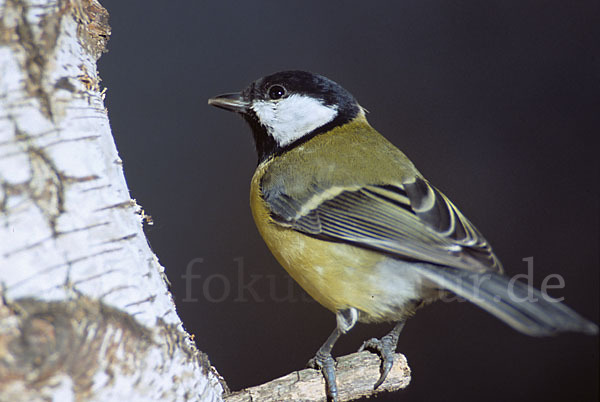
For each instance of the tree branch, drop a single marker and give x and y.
(356, 374)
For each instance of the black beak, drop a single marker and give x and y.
(232, 102)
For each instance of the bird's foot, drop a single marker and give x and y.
(386, 347)
(326, 364)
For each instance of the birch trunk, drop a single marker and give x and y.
(85, 313)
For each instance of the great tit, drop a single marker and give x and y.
(353, 221)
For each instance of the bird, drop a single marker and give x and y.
(360, 229)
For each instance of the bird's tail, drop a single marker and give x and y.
(519, 305)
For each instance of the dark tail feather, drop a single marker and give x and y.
(522, 307)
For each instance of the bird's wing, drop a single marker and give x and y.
(412, 221)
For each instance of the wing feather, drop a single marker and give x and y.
(411, 221)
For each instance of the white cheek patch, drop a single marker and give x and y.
(291, 118)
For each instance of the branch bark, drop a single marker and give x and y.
(356, 374)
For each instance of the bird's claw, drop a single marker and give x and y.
(386, 347)
(326, 364)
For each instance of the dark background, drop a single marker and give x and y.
(496, 102)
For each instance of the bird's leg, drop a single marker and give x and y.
(386, 347)
(323, 360)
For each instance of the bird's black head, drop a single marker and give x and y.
(289, 107)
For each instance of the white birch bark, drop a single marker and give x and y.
(85, 312)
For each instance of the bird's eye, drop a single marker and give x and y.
(276, 92)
